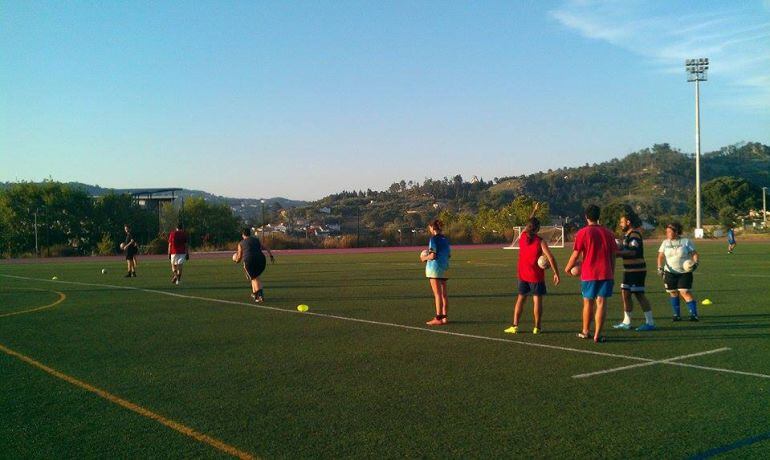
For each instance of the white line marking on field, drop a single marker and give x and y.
(719, 369)
(402, 326)
(651, 363)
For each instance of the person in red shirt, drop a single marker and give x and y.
(178, 252)
(597, 247)
(531, 276)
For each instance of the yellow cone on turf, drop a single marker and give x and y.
(303, 308)
(706, 302)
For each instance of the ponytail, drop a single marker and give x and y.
(533, 226)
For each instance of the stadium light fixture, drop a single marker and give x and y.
(697, 71)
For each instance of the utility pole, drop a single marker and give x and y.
(37, 252)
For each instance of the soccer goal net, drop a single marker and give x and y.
(552, 234)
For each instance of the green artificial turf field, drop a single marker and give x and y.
(319, 384)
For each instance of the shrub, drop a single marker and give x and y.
(284, 241)
(156, 246)
(344, 241)
(63, 250)
(105, 247)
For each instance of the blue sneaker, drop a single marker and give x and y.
(646, 327)
(622, 326)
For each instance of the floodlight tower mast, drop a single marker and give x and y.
(697, 71)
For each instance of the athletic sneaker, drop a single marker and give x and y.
(260, 299)
(128, 275)
(536, 330)
(646, 327)
(434, 322)
(676, 318)
(580, 335)
(444, 320)
(622, 326)
(694, 318)
(600, 339)
(512, 330)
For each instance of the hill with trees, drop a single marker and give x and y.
(658, 182)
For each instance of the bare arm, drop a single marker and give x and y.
(552, 261)
(238, 254)
(571, 262)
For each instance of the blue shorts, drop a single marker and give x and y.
(594, 289)
(527, 288)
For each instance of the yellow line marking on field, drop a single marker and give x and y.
(185, 430)
(62, 296)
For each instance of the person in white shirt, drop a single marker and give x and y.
(672, 255)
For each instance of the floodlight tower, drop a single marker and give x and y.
(697, 71)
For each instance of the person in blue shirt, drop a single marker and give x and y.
(730, 239)
(436, 260)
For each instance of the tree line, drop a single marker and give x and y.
(57, 219)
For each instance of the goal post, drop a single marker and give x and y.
(551, 234)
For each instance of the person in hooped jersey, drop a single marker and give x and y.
(249, 252)
(131, 248)
(674, 252)
(531, 276)
(731, 239)
(436, 267)
(596, 244)
(634, 271)
(178, 252)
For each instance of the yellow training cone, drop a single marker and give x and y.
(706, 302)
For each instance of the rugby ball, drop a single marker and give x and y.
(424, 253)
(235, 257)
(543, 263)
(122, 246)
(688, 265)
(575, 271)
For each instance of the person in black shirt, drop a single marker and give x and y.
(249, 252)
(634, 271)
(131, 248)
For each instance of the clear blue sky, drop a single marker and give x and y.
(302, 99)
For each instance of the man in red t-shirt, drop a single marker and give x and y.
(596, 244)
(178, 252)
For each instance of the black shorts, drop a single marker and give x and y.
(677, 281)
(131, 252)
(633, 281)
(254, 267)
(527, 288)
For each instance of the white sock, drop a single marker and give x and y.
(648, 318)
(626, 318)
